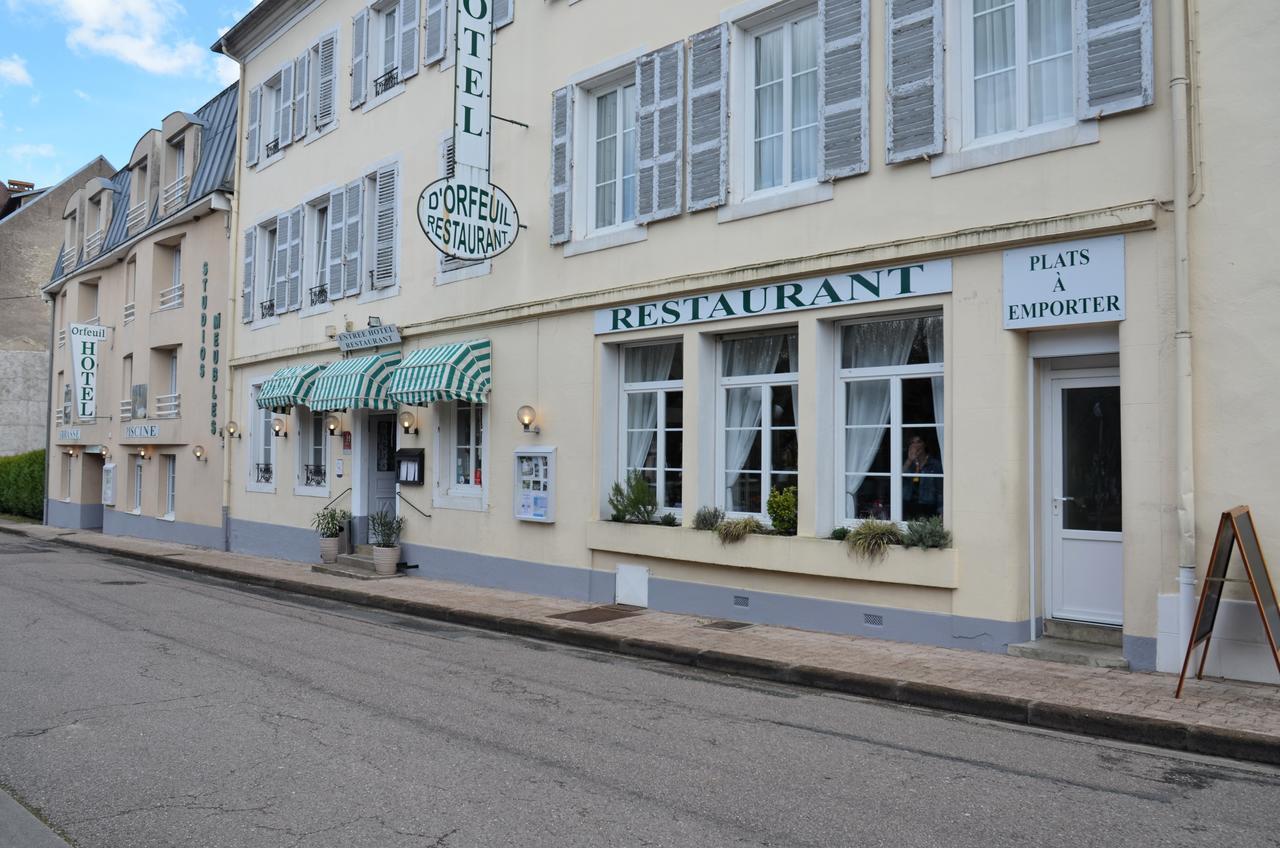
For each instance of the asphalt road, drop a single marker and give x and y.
(140, 707)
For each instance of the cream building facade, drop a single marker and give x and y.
(139, 297)
(914, 258)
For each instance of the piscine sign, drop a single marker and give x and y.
(85, 339)
(1070, 282)
(142, 431)
(814, 293)
(466, 216)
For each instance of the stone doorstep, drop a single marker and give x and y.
(1072, 652)
(355, 566)
(1079, 631)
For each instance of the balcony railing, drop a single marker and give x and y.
(68, 258)
(58, 418)
(130, 312)
(92, 322)
(175, 194)
(93, 243)
(62, 339)
(319, 295)
(262, 472)
(268, 308)
(168, 406)
(171, 297)
(313, 475)
(386, 82)
(273, 147)
(137, 217)
(126, 410)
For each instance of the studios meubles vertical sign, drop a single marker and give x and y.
(86, 340)
(466, 216)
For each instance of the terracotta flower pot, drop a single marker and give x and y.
(329, 549)
(386, 559)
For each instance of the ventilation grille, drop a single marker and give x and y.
(873, 619)
(741, 601)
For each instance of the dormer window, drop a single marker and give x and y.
(138, 198)
(175, 191)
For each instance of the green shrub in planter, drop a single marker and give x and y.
(633, 502)
(329, 522)
(22, 484)
(385, 529)
(707, 518)
(783, 505)
(839, 534)
(669, 519)
(927, 533)
(872, 538)
(736, 529)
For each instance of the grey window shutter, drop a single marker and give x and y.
(286, 104)
(409, 26)
(842, 88)
(246, 282)
(436, 27)
(1114, 66)
(280, 292)
(504, 12)
(561, 164)
(326, 81)
(660, 134)
(353, 204)
(337, 230)
(709, 118)
(447, 169)
(301, 83)
(251, 144)
(359, 57)
(913, 70)
(384, 227)
(295, 258)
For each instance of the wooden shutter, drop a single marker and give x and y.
(842, 88)
(301, 84)
(353, 204)
(561, 164)
(1114, 66)
(913, 73)
(504, 12)
(660, 134)
(246, 282)
(409, 38)
(280, 293)
(251, 144)
(337, 230)
(436, 28)
(326, 81)
(447, 169)
(386, 193)
(295, 258)
(359, 57)
(286, 104)
(709, 118)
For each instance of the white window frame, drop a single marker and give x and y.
(315, 248)
(375, 46)
(773, 382)
(623, 80)
(66, 477)
(895, 374)
(170, 472)
(447, 493)
(173, 371)
(369, 235)
(179, 148)
(138, 471)
(306, 430)
(270, 88)
(661, 387)
(259, 430)
(264, 276)
(313, 87)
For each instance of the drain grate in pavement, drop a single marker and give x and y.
(598, 615)
(726, 624)
(121, 582)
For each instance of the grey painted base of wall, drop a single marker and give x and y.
(117, 523)
(73, 516)
(492, 572)
(1140, 651)
(273, 540)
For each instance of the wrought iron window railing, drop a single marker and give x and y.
(386, 82)
(313, 475)
(268, 308)
(262, 472)
(273, 147)
(319, 295)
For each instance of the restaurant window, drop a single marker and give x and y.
(461, 455)
(313, 441)
(783, 109)
(652, 417)
(262, 450)
(758, 396)
(612, 199)
(890, 419)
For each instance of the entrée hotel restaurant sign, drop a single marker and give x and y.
(814, 293)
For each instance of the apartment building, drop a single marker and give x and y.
(140, 305)
(912, 258)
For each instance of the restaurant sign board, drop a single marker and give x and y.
(387, 334)
(1065, 283)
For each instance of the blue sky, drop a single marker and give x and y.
(82, 78)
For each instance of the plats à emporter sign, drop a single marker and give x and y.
(1070, 282)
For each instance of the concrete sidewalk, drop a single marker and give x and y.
(1217, 717)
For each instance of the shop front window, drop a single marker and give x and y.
(652, 419)
(759, 444)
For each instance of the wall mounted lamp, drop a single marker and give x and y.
(409, 423)
(333, 424)
(232, 430)
(526, 416)
(144, 453)
(375, 321)
(199, 453)
(277, 427)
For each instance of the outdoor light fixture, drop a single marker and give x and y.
(232, 429)
(526, 415)
(144, 453)
(333, 424)
(198, 452)
(277, 427)
(375, 321)
(409, 423)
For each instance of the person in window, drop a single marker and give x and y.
(921, 495)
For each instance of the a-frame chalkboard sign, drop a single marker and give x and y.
(1235, 532)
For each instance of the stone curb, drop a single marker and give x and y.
(1160, 733)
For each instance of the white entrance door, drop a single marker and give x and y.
(380, 459)
(1085, 557)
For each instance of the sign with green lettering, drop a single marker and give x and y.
(849, 287)
(1070, 282)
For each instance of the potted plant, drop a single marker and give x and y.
(329, 523)
(385, 529)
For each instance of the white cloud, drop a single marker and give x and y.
(35, 99)
(13, 71)
(27, 152)
(78, 93)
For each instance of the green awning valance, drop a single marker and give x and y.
(457, 371)
(288, 387)
(359, 383)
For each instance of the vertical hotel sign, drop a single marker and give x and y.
(465, 215)
(86, 342)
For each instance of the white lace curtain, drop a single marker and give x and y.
(867, 401)
(646, 364)
(933, 339)
(757, 355)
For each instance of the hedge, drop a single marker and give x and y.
(22, 484)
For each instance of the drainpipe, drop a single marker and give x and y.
(232, 217)
(1178, 85)
(48, 407)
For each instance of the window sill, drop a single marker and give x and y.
(483, 269)
(267, 162)
(159, 309)
(260, 488)
(775, 202)
(464, 502)
(374, 295)
(311, 491)
(263, 323)
(316, 135)
(318, 309)
(389, 94)
(606, 240)
(982, 155)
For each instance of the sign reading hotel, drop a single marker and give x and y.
(815, 293)
(85, 341)
(387, 334)
(466, 216)
(1070, 282)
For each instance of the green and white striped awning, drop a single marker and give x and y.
(359, 383)
(448, 372)
(288, 387)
